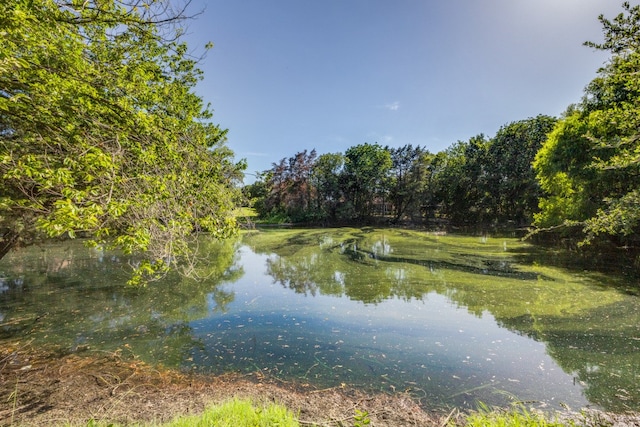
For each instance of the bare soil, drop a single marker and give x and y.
(39, 388)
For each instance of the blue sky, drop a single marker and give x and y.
(290, 75)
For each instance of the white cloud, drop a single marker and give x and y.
(394, 106)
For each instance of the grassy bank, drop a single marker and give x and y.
(236, 413)
(244, 413)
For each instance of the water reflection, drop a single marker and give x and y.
(589, 322)
(449, 319)
(76, 298)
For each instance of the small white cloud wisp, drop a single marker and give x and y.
(394, 106)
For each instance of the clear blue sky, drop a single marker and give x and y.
(289, 75)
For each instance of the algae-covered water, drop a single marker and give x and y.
(450, 320)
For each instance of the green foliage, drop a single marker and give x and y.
(479, 181)
(621, 216)
(409, 181)
(486, 181)
(361, 418)
(590, 165)
(94, 423)
(101, 133)
(326, 175)
(459, 181)
(256, 194)
(287, 188)
(620, 35)
(365, 172)
(560, 166)
(512, 192)
(333, 186)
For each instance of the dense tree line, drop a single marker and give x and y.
(578, 174)
(480, 181)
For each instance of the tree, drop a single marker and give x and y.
(408, 177)
(255, 194)
(460, 181)
(426, 168)
(365, 171)
(511, 188)
(562, 167)
(325, 176)
(411, 187)
(590, 165)
(101, 132)
(301, 191)
(289, 189)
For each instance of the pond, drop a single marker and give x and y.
(450, 320)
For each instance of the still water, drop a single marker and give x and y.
(451, 320)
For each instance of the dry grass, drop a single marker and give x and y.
(40, 388)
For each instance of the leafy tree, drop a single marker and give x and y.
(590, 165)
(276, 181)
(326, 180)
(365, 171)
(511, 188)
(450, 178)
(101, 133)
(408, 178)
(563, 171)
(460, 181)
(300, 191)
(255, 194)
(289, 187)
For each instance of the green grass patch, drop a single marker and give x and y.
(272, 219)
(245, 212)
(515, 417)
(239, 413)
(233, 413)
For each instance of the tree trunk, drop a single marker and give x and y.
(9, 239)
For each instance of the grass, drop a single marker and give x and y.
(239, 413)
(515, 417)
(233, 413)
(245, 212)
(243, 413)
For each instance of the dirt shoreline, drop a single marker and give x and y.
(42, 389)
